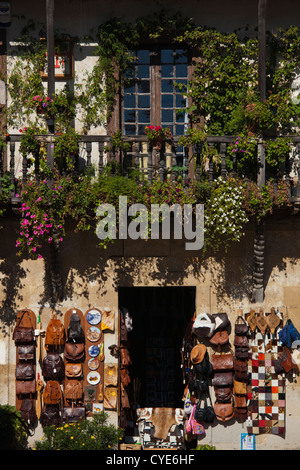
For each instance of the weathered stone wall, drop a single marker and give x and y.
(91, 277)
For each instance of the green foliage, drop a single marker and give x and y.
(13, 434)
(91, 434)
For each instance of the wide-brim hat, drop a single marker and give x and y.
(198, 353)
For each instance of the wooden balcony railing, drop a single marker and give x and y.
(150, 162)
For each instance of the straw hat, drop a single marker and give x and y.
(198, 353)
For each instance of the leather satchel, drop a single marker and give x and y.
(124, 356)
(241, 326)
(240, 370)
(50, 416)
(74, 351)
(27, 410)
(26, 352)
(24, 372)
(125, 377)
(240, 414)
(222, 361)
(239, 388)
(74, 370)
(221, 320)
(55, 333)
(287, 361)
(241, 352)
(25, 387)
(74, 390)
(241, 340)
(23, 334)
(53, 366)
(240, 401)
(222, 379)
(223, 411)
(73, 414)
(219, 338)
(223, 394)
(52, 394)
(204, 325)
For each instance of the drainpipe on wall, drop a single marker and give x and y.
(259, 238)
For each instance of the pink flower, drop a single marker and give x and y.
(40, 257)
(33, 248)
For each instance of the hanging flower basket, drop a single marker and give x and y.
(158, 136)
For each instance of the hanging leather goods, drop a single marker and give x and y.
(74, 370)
(111, 374)
(273, 321)
(110, 398)
(252, 320)
(219, 338)
(52, 393)
(75, 331)
(223, 394)
(224, 411)
(240, 326)
(26, 352)
(53, 366)
(73, 414)
(24, 330)
(74, 351)
(28, 411)
(241, 341)
(204, 325)
(223, 361)
(239, 388)
(74, 390)
(55, 333)
(261, 322)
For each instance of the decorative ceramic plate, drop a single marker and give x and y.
(93, 316)
(93, 334)
(93, 363)
(94, 350)
(93, 378)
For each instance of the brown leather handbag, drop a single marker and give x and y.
(74, 390)
(240, 326)
(52, 394)
(74, 370)
(241, 352)
(240, 370)
(219, 338)
(53, 366)
(239, 388)
(26, 352)
(241, 340)
(74, 351)
(240, 414)
(223, 394)
(222, 361)
(73, 414)
(55, 333)
(224, 411)
(25, 387)
(240, 401)
(222, 379)
(24, 372)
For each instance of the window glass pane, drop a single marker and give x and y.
(167, 101)
(144, 116)
(167, 115)
(180, 101)
(180, 85)
(167, 56)
(143, 56)
(129, 101)
(144, 101)
(166, 71)
(181, 70)
(180, 117)
(143, 71)
(144, 86)
(129, 87)
(129, 115)
(141, 129)
(167, 86)
(129, 129)
(180, 56)
(179, 129)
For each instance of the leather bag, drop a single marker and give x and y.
(75, 331)
(239, 388)
(24, 372)
(74, 351)
(287, 361)
(222, 379)
(73, 414)
(222, 361)
(27, 410)
(240, 370)
(219, 338)
(124, 356)
(241, 340)
(50, 416)
(240, 326)
(53, 367)
(204, 325)
(241, 352)
(25, 387)
(23, 333)
(204, 413)
(198, 387)
(110, 398)
(74, 390)
(52, 394)
(124, 398)
(55, 333)
(74, 370)
(224, 411)
(26, 352)
(223, 394)
(240, 414)
(240, 401)
(221, 321)
(124, 376)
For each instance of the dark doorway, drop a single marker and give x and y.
(160, 316)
